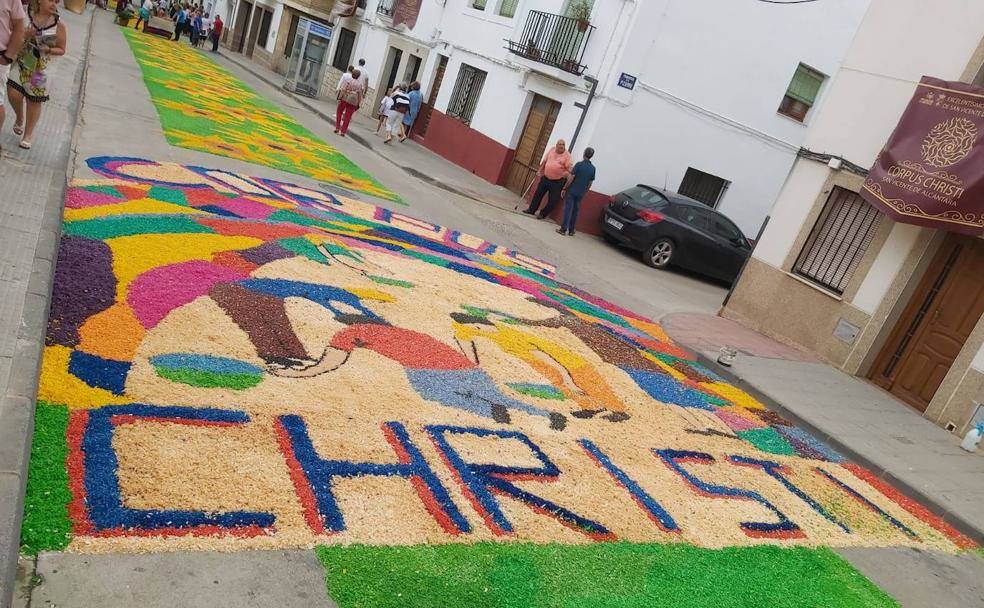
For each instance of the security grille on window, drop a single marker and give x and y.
(466, 91)
(703, 187)
(802, 93)
(838, 241)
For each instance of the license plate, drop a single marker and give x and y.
(614, 223)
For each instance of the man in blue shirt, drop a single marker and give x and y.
(181, 21)
(578, 183)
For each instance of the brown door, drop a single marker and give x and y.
(532, 143)
(428, 108)
(935, 325)
(242, 20)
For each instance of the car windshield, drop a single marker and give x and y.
(645, 197)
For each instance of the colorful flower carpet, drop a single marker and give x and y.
(204, 107)
(235, 362)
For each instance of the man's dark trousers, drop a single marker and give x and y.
(552, 188)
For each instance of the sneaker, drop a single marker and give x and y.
(528, 212)
(560, 231)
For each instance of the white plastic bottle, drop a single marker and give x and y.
(972, 438)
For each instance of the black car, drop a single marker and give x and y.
(672, 229)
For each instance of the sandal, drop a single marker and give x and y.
(26, 145)
(18, 130)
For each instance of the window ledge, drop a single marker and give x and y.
(813, 285)
(801, 123)
(492, 18)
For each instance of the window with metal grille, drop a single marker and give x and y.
(838, 240)
(507, 8)
(264, 33)
(802, 93)
(703, 187)
(466, 91)
(343, 49)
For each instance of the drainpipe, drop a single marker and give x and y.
(584, 108)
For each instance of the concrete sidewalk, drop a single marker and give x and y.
(861, 421)
(32, 189)
(410, 156)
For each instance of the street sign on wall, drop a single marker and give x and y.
(627, 81)
(931, 171)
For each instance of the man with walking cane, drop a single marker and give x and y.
(553, 170)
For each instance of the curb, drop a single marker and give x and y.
(352, 135)
(28, 362)
(934, 506)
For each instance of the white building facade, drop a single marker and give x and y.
(896, 303)
(710, 98)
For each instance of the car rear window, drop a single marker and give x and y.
(645, 197)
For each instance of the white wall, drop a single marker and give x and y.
(898, 42)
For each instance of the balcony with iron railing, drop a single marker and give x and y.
(553, 40)
(386, 8)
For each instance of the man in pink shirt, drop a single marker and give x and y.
(12, 17)
(554, 169)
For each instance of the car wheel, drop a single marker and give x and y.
(660, 253)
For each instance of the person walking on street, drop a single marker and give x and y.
(349, 100)
(216, 32)
(346, 76)
(401, 105)
(578, 183)
(12, 18)
(553, 173)
(415, 100)
(44, 38)
(196, 27)
(363, 76)
(144, 14)
(180, 22)
(385, 109)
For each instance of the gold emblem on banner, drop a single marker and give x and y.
(949, 142)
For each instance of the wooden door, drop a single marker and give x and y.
(242, 20)
(428, 108)
(936, 323)
(532, 143)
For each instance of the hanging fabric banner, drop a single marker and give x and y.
(931, 171)
(405, 12)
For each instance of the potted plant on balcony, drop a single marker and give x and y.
(580, 10)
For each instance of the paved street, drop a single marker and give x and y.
(197, 435)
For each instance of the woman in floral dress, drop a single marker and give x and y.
(45, 38)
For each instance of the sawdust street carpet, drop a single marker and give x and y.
(203, 107)
(236, 362)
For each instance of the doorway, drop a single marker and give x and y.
(254, 30)
(532, 143)
(428, 108)
(395, 56)
(940, 315)
(242, 20)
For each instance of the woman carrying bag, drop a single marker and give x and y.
(349, 99)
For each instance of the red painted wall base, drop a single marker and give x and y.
(466, 147)
(588, 217)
